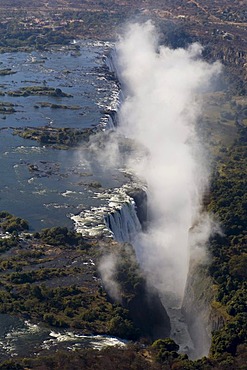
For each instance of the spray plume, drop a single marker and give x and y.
(160, 111)
(107, 269)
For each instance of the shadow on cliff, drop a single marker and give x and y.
(143, 304)
(149, 315)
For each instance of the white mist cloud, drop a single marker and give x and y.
(104, 150)
(107, 269)
(160, 111)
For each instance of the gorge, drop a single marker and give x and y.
(160, 107)
(123, 188)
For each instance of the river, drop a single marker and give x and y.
(21, 338)
(63, 185)
(65, 182)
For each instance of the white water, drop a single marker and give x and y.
(116, 219)
(124, 222)
(74, 341)
(22, 338)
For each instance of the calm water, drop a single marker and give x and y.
(62, 185)
(79, 76)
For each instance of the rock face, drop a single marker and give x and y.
(148, 313)
(198, 311)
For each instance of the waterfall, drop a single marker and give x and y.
(111, 63)
(111, 120)
(160, 111)
(169, 166)
(124, 222)
(117, 218)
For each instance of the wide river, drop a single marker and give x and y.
(63, 184)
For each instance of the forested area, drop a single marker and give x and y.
(229, 255)
(26, 274)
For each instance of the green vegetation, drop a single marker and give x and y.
(39, 90)
(59, 236)
(218, 126)
(24, 288)
(14, 36)
(8, 243)
(228, 268)
(6, 72)
(6, 108)
(59, 138)
(38, 277)
(76, 307)
(30, 29)
(50, 276)
(56, 106)
(128, 274)
(133, 356)
(166, 349)
(10, 223)
(109, 358)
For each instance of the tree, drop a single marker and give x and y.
(166, 349)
